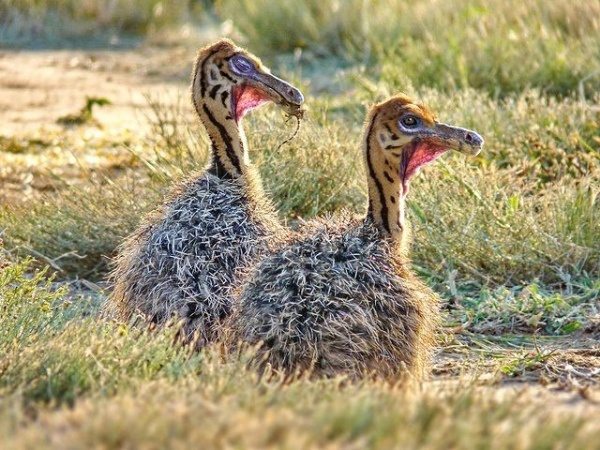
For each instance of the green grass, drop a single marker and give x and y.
(510, 239)
(498, 48)
(77, 231)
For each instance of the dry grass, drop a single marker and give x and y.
(62, 22)
(160, 415)
(71, 380)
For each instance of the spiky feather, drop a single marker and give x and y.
(182, 262)
(341, 301)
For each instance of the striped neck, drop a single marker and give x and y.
(229, 157)
(386, 203)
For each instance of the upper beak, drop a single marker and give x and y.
(281, 93)
(460, 139)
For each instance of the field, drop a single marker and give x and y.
(97, 125)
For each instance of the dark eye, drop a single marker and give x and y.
(241, 65)
(410, 121)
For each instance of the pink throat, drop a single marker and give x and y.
(246, 98)
(415, 156)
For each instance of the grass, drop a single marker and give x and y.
(64, 22)
(296, 417)
(495, 48)
(70, 379)
(518, 215)
(509, 239)
(85, 114)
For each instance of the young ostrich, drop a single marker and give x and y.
(182, 261)
(344, 300)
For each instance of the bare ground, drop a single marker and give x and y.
(39, 87)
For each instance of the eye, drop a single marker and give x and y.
(410, 121)
(241, 65)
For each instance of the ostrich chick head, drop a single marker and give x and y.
(229, 81)
(403, 136)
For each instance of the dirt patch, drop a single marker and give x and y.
(38, 88)
(560, 371)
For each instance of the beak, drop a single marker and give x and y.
(456, 138)
(281, 93)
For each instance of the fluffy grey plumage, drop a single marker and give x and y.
(340, 301)
(181, 264)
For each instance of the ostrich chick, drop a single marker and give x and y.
(181, 263)
(344, 300)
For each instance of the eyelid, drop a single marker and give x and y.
(239, 59)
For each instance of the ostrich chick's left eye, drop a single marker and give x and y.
(241, 65)
(410, 121)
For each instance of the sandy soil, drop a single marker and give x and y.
(39, 87)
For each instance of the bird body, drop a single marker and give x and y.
(342, 299)
(181, 263)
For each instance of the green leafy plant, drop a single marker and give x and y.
(84, 116)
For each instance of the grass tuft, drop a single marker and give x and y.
(75, 233)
